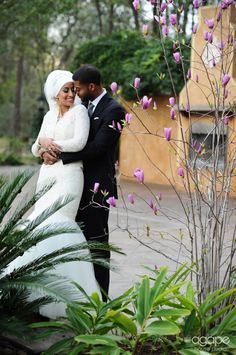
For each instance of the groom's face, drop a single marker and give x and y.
(84, 91)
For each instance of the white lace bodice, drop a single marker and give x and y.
(70, 132)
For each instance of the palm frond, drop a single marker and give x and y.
(10, 189)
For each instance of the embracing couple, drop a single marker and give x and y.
(77, 145)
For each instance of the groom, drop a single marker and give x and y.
(98, 161)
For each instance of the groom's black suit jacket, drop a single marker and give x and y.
(98, 154)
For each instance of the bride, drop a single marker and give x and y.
(65, 128)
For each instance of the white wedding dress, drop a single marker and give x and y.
(70, 133)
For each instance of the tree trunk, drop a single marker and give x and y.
(135, 14)
(111, 15)
(99, 13)
(18, 92)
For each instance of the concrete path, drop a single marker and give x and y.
(139, 220)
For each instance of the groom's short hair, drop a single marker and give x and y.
(88, 74)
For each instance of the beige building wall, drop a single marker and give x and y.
(143, 144)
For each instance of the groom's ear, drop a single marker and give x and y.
(92, 86)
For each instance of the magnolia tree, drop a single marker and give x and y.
(205, 167)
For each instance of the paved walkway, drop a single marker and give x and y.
(140, 220)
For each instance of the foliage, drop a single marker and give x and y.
(156, 310)
(124, 55)
(16, 238)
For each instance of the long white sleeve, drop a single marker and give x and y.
(42, 133)
(80, 131)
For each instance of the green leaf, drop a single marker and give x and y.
(227, 324)
(190, 292)
(172, 312)
(190, 323)
(217, 300)
(95, 339)
(143, 301)
(119, 318)
(162, 327)
(193, 352)
(211, 319)
(62, 345)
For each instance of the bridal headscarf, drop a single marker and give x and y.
(55, 80)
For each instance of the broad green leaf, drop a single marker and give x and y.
(211, 319)
(187, 303)
(95, 339)
(190, 323)
(226, 324)
(172, 312)
(193, 352)
(207, 300)
(190, 292)
(168, 291)
(143, 301)
(158, 285)
(162, 327)
(220, 298)
(127, 324)
(62, 345)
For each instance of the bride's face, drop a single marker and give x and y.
(66, 95)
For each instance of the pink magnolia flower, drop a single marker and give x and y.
(218, 16)
(154, 105)
(162, 20)
(163, 7)
(225, 4)
(119, 126)
(131, 198)
(189, 74)
(165, 30)
(173, 19)
(113, 124)
(187, 107)
(137, 83)
(139, 174)
(96, 187)
(167, 133)
(128, 117)
(154, 210)
(172, 113)
(160, 196)
(150, 203)
(210, 23)
(114, 87)
(196, 4)
(234, 45)
(221, 45)
(197, 78)
(180, 171)
(226, 120)
(145, 29)
(145, 102)
(213, 62)
(230, 38)
(111, 201)
(172, 101)
(136, 5)
(226, 93)
(177, 56)
(197, 146)
(205, 35)
(226, 79)
(195, 27)
(210, 37)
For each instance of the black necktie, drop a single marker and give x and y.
(90, 109)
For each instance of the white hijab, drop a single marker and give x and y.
(55, 81)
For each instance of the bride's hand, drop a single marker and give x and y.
(49, 144)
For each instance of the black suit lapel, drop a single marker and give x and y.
(101, 105)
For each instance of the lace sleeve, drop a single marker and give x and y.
(81, 131)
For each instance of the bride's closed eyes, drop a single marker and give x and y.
(67, 89)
